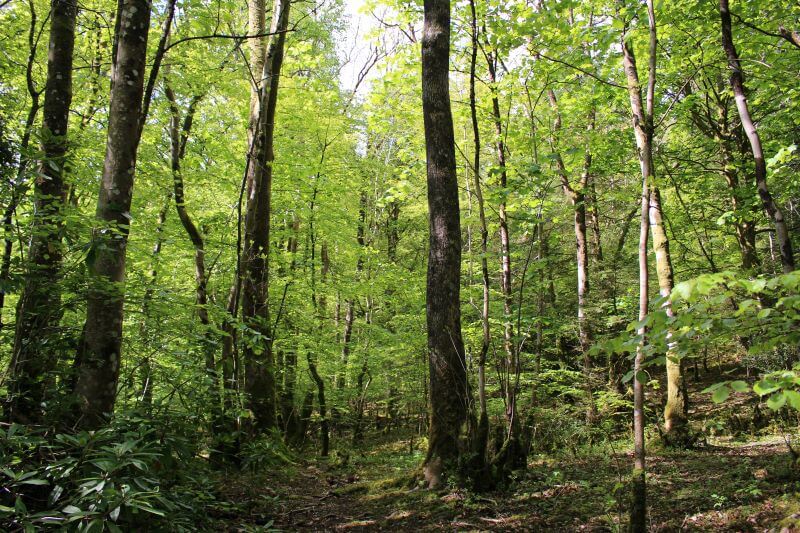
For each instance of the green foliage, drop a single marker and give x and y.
(127, 476)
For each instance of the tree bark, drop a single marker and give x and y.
(577, 197)
(259, 364)
(737, 84)
(146, 370)
(642, 118)
(675, 421)
(480, 446)
(447, 365)
(179, 136)
(39, 308)
(16, 185)
(100, 355)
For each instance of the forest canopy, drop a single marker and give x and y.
(480, 265)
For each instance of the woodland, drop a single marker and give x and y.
(319, 265)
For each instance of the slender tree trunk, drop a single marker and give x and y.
(481, 443)
(17, 185)
(393, 237)
(675, 421)
(179, 136)
(289, 416)
(349, 318)
(312, 364)
(100, 355)
(643, 130)
(39, 309)
(448, 379)
(577, 198)
(745, 228)
(737, 84)
(513, 455)
(638, 513)
(259, 364)
(593, 209)
(145, 370)
(510, 365)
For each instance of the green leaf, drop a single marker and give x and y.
(721, 394)
(715, 386)
(764, 387)
(739, 386)
(776, 401)
(19, 506)
(794, 399)
(34, 482)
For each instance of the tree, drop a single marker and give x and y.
(258, 357)
(643, 130)
(481, 442)
(675, 421)
(448, 381)
(100, 352)
(578, 199)
(39, 308)
(737, 85)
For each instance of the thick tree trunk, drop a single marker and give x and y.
(39, 308)
(96, 387)
(448, 380)
(259, 364)
(737, 84)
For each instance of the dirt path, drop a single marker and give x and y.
(320, 501)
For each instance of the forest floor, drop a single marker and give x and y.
(747, 484)
(735, 487)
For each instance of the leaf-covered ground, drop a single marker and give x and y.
(727, 485)
(741, 487)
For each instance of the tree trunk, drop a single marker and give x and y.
(447, 365)
(737, 84)
(39, 308)
(100, 355)
(393, 236)
(675, 421)
(17, 185)
(577, 198)
(480, 446)
(511, 363)
(258, 357)
(745, 228)
(643, 130)
(146, 371)
(179, 136)
(595, 218)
